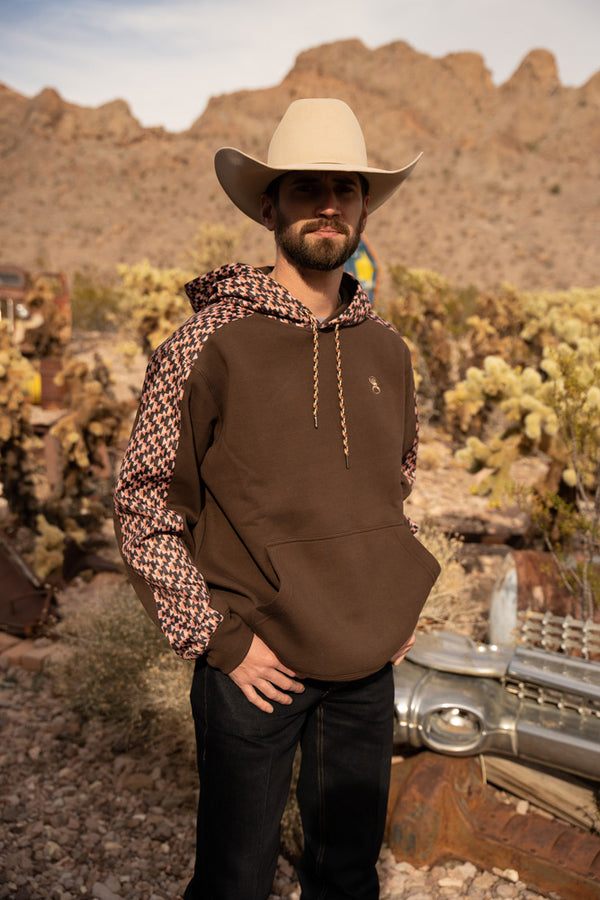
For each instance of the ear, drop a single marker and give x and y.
(363, 219)
(267, 212)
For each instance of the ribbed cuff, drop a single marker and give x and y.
(229, 643)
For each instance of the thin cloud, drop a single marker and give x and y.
(167, 58)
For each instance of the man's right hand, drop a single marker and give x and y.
(260, 670)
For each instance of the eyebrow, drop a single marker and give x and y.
(339, 178)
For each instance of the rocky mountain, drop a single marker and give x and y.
(508, 188)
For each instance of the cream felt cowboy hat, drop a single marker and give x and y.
(321, 135)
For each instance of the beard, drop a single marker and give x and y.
(322, 254)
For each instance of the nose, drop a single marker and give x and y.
(327, 205)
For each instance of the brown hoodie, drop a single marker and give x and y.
(262, 489)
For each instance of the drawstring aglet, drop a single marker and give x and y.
(316, 420)
(347, 461)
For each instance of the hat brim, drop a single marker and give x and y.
(244, 178)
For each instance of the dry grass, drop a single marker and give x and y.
(448, 599)
(121, 668)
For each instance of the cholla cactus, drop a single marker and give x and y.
(153, 300)
(452, 328)
(153, 303)
(557, 411)
(19, 447)
(87, 436)
(49, 330)
(214, 245)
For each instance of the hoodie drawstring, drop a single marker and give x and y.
(340, 386)
(315, 331)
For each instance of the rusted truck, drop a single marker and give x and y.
(35, 307)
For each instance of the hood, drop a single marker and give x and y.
(252, 288)
(245, 286)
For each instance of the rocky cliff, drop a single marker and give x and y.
(508, 188)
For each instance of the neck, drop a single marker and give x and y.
(318, 291)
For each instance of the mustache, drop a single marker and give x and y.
(317, 224)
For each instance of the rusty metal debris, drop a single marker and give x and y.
(25, 603)
(440, 810)
(26, 302)
(530, 605)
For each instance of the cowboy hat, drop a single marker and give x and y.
(320, 135)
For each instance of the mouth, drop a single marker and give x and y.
(325, 229)
(326, 232)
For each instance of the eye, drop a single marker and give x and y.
(346, 188)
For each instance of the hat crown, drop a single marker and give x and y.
(318, 131)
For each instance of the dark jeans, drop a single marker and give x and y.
(245, 761)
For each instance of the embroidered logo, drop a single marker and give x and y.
(374, 386)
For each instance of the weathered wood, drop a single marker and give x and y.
(568, 798)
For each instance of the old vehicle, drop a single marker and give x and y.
(460, 697)
(36, 309)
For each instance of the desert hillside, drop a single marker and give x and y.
(508, 188)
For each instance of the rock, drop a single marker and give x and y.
(138, 781)
(480, 211)
(102, 892)
(116, 845)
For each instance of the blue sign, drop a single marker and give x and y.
(365, 268)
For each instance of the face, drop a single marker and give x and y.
(317, 218)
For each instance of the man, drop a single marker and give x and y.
(260, 508)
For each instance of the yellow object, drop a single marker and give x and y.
(365, 271)
(33, 388)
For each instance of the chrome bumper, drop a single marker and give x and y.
(456, 696)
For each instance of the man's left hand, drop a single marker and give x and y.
(401, 653)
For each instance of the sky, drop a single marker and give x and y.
(166, 58)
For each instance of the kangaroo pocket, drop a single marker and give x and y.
(346, 602)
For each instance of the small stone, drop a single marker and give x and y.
(162, 832)
(485, 880)
(112, 847)
(121, 763)
(286, 867)
(508, 874)
(466, 871)
(451, 882)
(102, 892)
(477, 894)
(138, 781)
(52, 850)
(407, 868)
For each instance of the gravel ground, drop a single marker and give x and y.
(83, 818)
